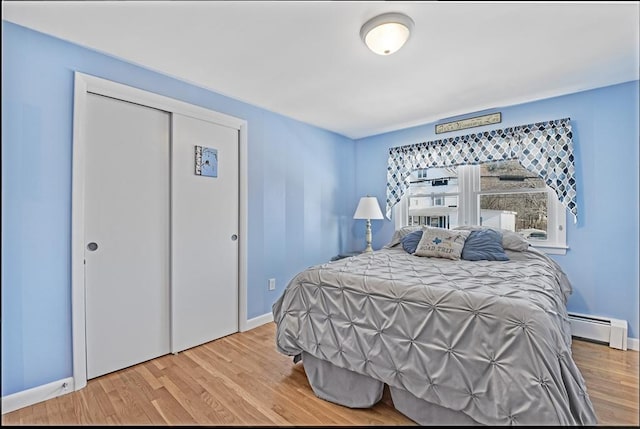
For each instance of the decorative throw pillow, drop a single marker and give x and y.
(484, 245)
(410, 241)
(510, 240)
(441, 243)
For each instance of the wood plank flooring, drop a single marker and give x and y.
(241, 380)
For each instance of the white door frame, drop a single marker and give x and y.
(85, 84)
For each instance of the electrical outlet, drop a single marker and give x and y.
(272, 284)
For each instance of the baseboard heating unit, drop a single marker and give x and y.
(600, 329)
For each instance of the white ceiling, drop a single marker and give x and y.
(305, 59)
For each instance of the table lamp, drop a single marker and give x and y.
(368, 208)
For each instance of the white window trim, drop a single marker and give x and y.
(556, 227)
(469, 214)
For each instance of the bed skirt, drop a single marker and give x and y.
(350, 389)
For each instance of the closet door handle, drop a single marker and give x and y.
(234, 237)
(93, 246)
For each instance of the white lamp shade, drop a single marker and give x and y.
(368, 208)
(386, 33)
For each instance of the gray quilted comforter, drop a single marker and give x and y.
(490, 339)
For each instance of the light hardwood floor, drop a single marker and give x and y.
(242, 380)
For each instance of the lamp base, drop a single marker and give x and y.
(368, 237)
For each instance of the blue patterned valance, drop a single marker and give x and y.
(544, 148)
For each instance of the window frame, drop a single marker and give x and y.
(469, 193)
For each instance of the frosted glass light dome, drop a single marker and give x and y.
(386, 33)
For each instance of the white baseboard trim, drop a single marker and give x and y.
(37, 394)
(632, 343)
(258, 321)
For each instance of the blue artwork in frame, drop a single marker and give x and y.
(206, 161)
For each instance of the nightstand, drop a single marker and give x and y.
(346, 255)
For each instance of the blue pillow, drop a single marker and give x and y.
(410, 241)
(484, 244)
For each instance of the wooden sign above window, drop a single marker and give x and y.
(462, 124)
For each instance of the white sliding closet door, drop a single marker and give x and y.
(126, 203)
(204, 228)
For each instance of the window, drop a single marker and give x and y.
(500, 194)
(433, 197)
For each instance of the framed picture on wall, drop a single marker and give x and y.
(206, 163)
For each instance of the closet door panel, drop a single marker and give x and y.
(204, 228)
(126, 205)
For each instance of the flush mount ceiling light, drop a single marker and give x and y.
(386, 33)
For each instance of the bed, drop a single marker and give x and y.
(458, 342)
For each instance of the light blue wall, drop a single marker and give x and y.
(304, 183)
(602, 262)
(301, 193)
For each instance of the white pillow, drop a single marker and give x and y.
(442, 243)
(399, 234)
